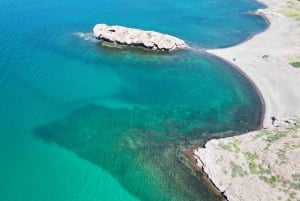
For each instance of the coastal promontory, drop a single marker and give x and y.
(258, 166)
(151, 40)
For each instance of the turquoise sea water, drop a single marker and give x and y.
(84, 122)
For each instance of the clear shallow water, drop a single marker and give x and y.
(120, 111)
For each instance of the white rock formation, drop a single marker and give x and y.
(135, 37)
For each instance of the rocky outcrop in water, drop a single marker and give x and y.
(135, 37)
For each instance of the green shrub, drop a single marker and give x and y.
(296, 64)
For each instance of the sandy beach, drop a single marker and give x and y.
(265, 60)
(263, 165)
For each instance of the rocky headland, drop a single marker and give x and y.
(151, 40)
(258, 166)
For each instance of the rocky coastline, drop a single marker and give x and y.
(150, 40)
(261, 165)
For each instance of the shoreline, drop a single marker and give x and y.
(252, 83)
(264, 59)
(192, 162)
(273, 76)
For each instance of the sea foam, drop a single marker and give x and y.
(86, 36)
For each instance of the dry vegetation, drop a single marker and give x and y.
(292, 9)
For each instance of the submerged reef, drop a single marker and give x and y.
(142, 148)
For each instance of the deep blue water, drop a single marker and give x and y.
(84, 122)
